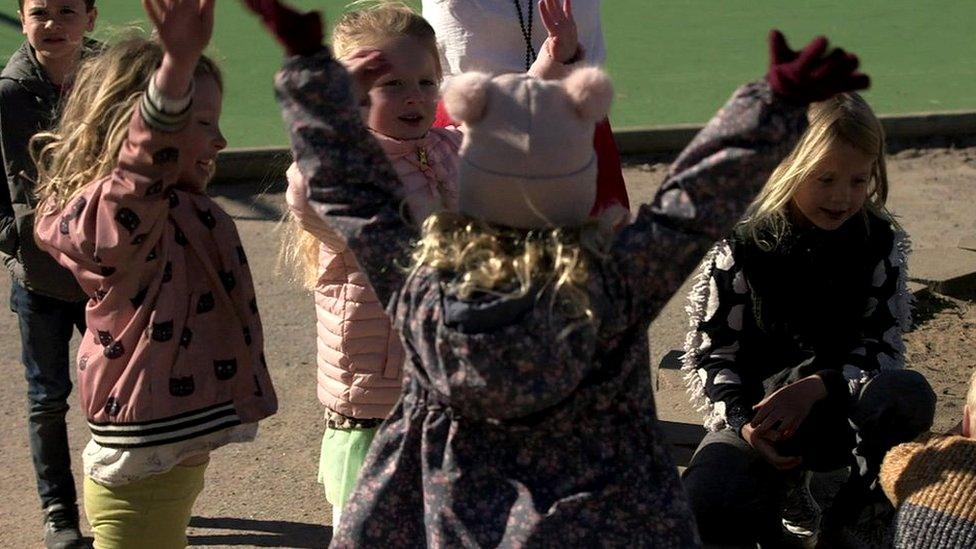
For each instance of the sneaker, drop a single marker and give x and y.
(867, 527)
(801, 513)
(61, 528)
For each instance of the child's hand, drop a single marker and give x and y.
(765, 448)
(300, 33)
(563, 41)
(184, 28)
(365, 66)
(808, 75)
(780, 414)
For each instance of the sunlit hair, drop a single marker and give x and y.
(484, 258)
(379, 21)
(372, 24)
(844, 119)
(84, 145)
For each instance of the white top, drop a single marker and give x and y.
(485, 35)
(115, 467)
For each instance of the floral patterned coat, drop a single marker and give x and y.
(512, 430)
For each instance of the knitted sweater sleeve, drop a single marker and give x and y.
(706, 190)
(721, 385)
(887, 316)
(352, 184)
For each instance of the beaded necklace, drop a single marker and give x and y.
(526, 31)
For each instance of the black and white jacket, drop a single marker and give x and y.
(834, 303)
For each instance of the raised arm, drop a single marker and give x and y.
(710, 184)
(562, 48)
(351, 183)
(115, 223)
(301, 209)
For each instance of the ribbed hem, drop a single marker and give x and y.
(166, 430)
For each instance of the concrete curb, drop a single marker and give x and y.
(235, 165)
(909, 127)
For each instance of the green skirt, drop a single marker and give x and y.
(343, 452)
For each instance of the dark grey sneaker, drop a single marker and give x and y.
(61, 528)
(801, 513)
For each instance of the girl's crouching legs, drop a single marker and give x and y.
(151, 512)
(734, 494)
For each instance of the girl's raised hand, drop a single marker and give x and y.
(563, 42)
(184, 27)
(808, 75)
(365, 66)
(300, 33)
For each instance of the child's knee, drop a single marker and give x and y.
(897, 398)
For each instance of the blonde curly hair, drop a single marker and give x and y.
(85, 143)
(484, 258)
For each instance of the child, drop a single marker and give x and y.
(360, 359)
(527, 417)
(171, 366)
(46, 298)
(932, 482)
(500, 36)
(792, 317)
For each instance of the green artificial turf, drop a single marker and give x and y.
(672, 61)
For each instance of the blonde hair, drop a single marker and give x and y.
(496, 260)
(845, 118)
(375, 23)
(379, 21)
(84, 145)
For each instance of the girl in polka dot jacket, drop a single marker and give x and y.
(172, 364)
(795, 353)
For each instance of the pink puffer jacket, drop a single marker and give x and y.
(359, 356)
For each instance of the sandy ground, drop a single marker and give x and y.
(264, 494)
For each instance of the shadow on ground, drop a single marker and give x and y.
(259, 533)
(927, 306)
(253, 200)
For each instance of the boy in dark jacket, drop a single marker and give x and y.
(45, 296)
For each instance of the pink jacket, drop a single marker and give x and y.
(359, 355)
(174, 346)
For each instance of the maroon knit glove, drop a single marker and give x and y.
(299, 33)
(808, 75)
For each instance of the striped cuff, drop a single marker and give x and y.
(165, 430)
(161, 112)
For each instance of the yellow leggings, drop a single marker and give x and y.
(153, 512)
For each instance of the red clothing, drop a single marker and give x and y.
(610, 186)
